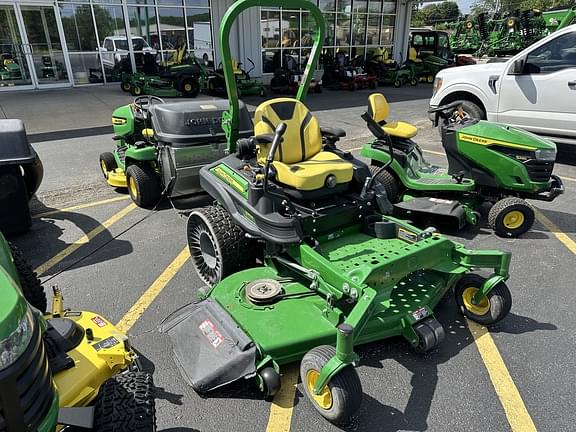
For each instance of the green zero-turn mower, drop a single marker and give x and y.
(160, 146)
(488, 163)
(64, 367)
(335, 272)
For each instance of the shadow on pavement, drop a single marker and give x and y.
(565, 221)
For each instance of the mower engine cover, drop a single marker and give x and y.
(15, 147)
(182, 124)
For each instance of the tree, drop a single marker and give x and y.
(434, 14)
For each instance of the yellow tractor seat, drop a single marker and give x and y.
(299, 161)
(413, 55)
(378, 109)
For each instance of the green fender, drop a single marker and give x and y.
(123, 121)
(143, 154)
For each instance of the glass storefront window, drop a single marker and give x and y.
(200, 34)
(359, 29)
(374, 6)
(169, 2)
(342, 29)
(13, 65)
(360, 6)
(373, 30)
(327, 5)
(344, 6)
(172, 28)
(389, 8)
(270, 29)
(290, 28)
(78, 27)
(86, 68)
(197, 3)
(330, 29)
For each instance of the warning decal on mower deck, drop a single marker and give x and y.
(107, 343)
(99, 321)
(212, 334)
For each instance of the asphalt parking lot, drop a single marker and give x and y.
(131, 266)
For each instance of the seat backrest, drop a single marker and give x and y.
(412, 54)
(378, 107)
(179, 55)
(302, 138)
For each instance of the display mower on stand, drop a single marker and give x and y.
(160, 146)
(64, 368)
(488, 164)
(21, 173)
(302, 261)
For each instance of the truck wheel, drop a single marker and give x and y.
(125, 402)
(491, 309)
(107, 163)
(143, 185)
(189, 87)
(472, 110)
(388, 181)
(31, 286)
(218, 246)
(511, 217)
(341, 397)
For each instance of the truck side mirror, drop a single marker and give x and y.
(517, 67)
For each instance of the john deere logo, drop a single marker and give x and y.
(203, 121)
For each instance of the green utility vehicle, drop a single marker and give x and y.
(488, 163)
(160, 146)
(64, 367)
(9, 69)
(303, 261)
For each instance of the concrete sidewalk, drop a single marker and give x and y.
(85, 111)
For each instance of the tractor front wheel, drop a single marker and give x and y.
(491, 309)
(125, 402)
(107, 163)
(143, 185)
(341, 397)
(397, 83)
(218, 246)
(31, 286)
(136, 90)
(125, 86)
(511, 217)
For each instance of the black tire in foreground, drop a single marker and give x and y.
(125, 403)
(31, 286)
(107, 163)
(388, 181)
(341, 397)
(143, 185)
(218, 247)
(493, 308)
(511, 217)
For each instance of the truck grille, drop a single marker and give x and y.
(26, 389)
(539, 171)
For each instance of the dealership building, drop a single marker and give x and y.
(65, 43)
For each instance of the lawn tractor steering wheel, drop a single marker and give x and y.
(143, 103)
(451, 112)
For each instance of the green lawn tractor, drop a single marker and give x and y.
(425, 69)
(246, 86)
(302, 261)
(182, 79)
(160, 147)
(387, 70)
(488, 163)
(9, 69)
(21, 173)
(64, 368)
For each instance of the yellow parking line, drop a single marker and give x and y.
(80, 206)
(516, 412)
(43, 268)
(564, 239)
(283, 404)
(152, 292)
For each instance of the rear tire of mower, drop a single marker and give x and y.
(31, 286)
(189, 87)
(148, 190)
(107, 163)
(503, 208)
(218, 246)
(387, 180)
(125, 403)
(345, 387)
(499, 300)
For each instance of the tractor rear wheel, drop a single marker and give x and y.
(511, 217)
(218, 246)
(387, 180)
(107, 163)
(143, 185)
(125, 403)
(31, 286)
(341, 397)
(491, 309)
(189, 87)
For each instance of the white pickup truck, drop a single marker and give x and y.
(534, 90)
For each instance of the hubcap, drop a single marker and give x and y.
(324, 398)
(482, 308)
(132, 188)
(188, 87)
(513, 219)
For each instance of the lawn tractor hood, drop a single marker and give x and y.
(182, 124)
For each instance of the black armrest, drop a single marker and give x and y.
(333, 132)
(263, 139)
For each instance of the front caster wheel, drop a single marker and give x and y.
(430, 334)
(341, 397)
(491, 309)
(218, 246)
(270, 381)
(107, 163)
(511, 217)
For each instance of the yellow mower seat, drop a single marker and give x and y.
(299, 161)
(378, 109)
(413, 55)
